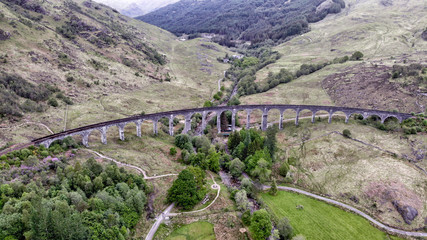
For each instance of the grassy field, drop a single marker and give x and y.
(194, 231)
(346, 169)
(319, 220)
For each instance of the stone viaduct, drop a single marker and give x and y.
(188, 114)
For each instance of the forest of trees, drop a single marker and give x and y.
(47, 197)
(248, 20)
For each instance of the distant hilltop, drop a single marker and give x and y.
(134, 8)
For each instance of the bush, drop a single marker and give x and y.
(284, 169)
(236, 168)
(181, 140)
(208, 104)
(172, 151)
(52, 102)
(246, 217)
(273, 189)
(346, 133)
(260, 225)
(285, 229)
(70, 78)
(356, 56)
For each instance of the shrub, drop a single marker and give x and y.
(208, 104)
(284, 169)
(52, 102)
(356, 56)
(181, 140)
(346, 133)
(236, 167)
(273, 189)
(285, 228)
(260, 225)
(172, 151)
(246, 217)
(70, 78)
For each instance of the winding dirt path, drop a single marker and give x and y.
(130, 166)
(30, 123)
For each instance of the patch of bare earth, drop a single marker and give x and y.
(366, 86)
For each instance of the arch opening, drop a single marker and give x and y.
(339, 116)
(321, 116)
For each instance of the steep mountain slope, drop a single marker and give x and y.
(133, 8)
(245, 20)
(108, 65)
(386, 32)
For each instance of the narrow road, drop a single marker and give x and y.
(159, 220)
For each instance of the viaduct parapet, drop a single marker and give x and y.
(102, 127)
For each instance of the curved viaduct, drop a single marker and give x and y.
(188, 113)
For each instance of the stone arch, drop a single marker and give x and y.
(209, 118)
(306, 113)
(256, 116)
(390, 118)
(240, 118)
(373, 116)
(132, 127)
(321, 113)
(195, 120)
(289, 116)
(339, 115)
(274, 117)
(112, 132)
(95, 136)
(356, 115)
(177, 121)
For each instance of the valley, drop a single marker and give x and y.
(72, 63)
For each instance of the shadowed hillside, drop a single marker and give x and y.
(254, 21)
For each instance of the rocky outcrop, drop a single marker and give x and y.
(407, 212)
(4, 35)
(424, 35)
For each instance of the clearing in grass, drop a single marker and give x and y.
(318, 220)
(197, 230)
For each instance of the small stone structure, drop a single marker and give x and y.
(188, 114)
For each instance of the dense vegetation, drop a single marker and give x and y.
(412, 74)
(254, 151)
(246, 20)
(43, 196)
(111, 36)
(13, 88)
(188, 189)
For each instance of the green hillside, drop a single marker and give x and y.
(90, 63)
